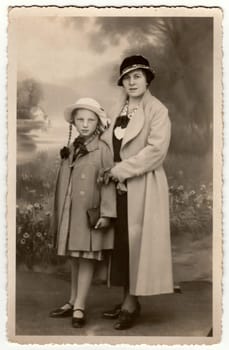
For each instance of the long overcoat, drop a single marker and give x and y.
(86, 193)
(144, 148)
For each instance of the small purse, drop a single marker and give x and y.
(93, 215)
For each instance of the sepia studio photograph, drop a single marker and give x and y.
(112, 173)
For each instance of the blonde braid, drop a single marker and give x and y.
(69, 134)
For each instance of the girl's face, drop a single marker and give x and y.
(135, 83)
(85, 122)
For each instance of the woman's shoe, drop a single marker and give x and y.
(127, 319)
(78, 322)
(62, 311)
(112, 314)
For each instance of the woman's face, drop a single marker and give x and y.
(135, 83)
(85, 122)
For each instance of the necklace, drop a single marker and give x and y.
(127, 112)
(125, 115)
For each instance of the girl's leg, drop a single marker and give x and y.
(74, 275)
(85, 275)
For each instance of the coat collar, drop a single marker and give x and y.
(92, 146)
(135, 125)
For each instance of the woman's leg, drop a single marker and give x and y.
(130, 302)
(74, 276)
(85, 275)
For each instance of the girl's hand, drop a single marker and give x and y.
(104, 176)
(102, 223)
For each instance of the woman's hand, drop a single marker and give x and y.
(102, 223)
(113, 175)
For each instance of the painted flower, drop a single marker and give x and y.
(180, 188)
(192, 193)
(36, 206)
(203, 187)
(26, 235)
(19, 229)
(22, 241)
(39, 234)
(29, 207)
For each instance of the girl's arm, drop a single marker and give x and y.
(152, 155)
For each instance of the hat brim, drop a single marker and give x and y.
(68, 111)
(135, 67)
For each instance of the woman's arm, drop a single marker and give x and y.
(152, 155)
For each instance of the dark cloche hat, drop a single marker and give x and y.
(135, 62)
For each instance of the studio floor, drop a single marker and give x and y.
(188, 313)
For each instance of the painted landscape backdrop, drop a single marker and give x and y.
(62, 59)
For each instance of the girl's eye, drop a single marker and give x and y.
(79, 119)
(91, 120)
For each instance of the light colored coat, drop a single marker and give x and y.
(143, 151)
(86, 194)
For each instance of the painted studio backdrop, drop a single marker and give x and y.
(62, 59)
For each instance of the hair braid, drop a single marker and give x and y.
(65, 151)
(69, 134)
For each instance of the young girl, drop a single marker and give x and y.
(83, 208)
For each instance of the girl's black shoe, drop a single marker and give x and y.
(62, 312)
(113, 313)
(127, 319)
(78, 322)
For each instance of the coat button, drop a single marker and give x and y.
(82, 193)
(83, 176)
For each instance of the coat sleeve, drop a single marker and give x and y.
(153, 154)
(108, 192)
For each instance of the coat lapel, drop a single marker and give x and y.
(134, 127)
(137, 121)
(93, 145)
(107, 136)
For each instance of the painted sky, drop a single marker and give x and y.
(60, 54)
(72, 57)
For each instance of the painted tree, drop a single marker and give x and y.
(181, 50)
(29, 94)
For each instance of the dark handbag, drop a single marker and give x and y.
(93, 215)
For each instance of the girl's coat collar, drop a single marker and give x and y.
(92, 146)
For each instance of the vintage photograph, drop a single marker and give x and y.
(114, 180)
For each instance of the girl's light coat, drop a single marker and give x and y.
(86, 194)
(143, 151)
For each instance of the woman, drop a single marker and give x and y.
(139, 138)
